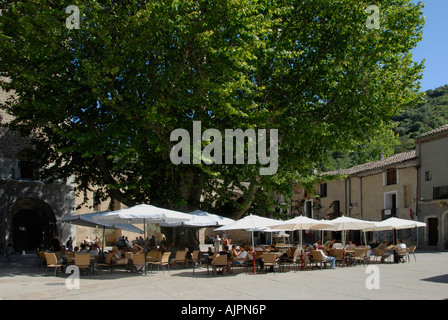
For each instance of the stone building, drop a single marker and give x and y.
(432, 152)
(374, 191)
(30, 209)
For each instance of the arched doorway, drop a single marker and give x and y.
(27, 230)
(32, 224)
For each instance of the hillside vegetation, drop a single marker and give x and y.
(407, 126)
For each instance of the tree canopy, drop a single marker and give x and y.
(103, 99)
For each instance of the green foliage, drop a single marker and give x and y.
(407, 126)
(103, 100)
(430, 114)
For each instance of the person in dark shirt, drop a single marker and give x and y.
(153, 243)
(56, 244)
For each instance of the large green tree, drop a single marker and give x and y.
(103, 99)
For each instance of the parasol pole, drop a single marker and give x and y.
(102, 244)
(253, 253)
(301, 259)
(144, 244)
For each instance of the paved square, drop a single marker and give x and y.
(424, 279)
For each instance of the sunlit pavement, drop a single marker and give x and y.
(426, 278)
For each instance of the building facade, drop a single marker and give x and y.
(432, 152)
(372, 191)
(30, 210)
(410, 185)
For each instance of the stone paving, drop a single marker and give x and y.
(424, 279)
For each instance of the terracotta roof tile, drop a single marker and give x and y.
(433, 132)
(395, 159)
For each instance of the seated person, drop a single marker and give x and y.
(234, 252)
(301, 253)
(328, 249)
(136, 249)
(84, 248)
(350, 245)
(319, 244)
(117, 257)
(241, 258)
(326, 258)
(383, 246)
(94, 252)
(400, 248)
(225, 251)
(338, 245)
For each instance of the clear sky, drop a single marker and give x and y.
(434, 46)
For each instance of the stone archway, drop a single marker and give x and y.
(32, 224)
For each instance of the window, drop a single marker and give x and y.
(440, 193)
(428, 176)
(323, 190)
(391, 176)
(96, 201)
(309, 208)
(336, 207)
(27, 170)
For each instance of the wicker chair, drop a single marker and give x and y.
(107, 265)
(52, 262)
(270, 260)
(164, 261)
(180, 257)
(82, 261)
(220, 262)
(138, 261)
(411, 250)
(360, 254)
(339, 255)
(318, 258)
(381, 254)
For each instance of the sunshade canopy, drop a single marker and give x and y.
(200, 218)
(395, 223)
(251, 223)
(86, 220)
(301, 223)
(142, 213)
(344, 223)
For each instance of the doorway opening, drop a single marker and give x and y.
(433, 231)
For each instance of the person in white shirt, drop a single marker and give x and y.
(326, 258)
(400, 247)
(350, 245)
(337, 245)
(241, 257)
(301, 252)
(94, 251)
(87, 241)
